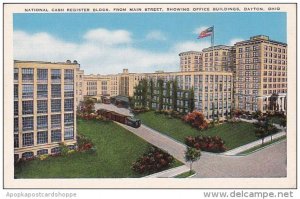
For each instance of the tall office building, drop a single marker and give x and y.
(261, 74)
(191, 61)
(256, 69)
(218, 58)
(44, 108)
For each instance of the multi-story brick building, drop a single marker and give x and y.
(191, 61)
(261, 73)
(257, 70)
(218, 58)
(44, 108)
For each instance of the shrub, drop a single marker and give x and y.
(43, 157)
(213, 144)
(85, 144)
(196, 119)
(154, 160)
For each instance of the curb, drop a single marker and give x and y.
(279, 141)
(166, 171)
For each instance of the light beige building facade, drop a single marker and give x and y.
(213, 90)
(257, 68)
(191, 61)
(44, 108)
(261, 71)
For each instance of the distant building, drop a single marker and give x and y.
(44, 108)
(251, 76)
(261, 71)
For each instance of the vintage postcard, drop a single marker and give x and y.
(150, 95)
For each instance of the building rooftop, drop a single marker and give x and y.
(68, 62)
(261, 38)
(218, 47)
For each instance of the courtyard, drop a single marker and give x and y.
(117, 149)
(233, 134)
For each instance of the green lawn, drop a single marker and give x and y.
(234, 135)
(185, 174)
(251, 150)
(117, 149)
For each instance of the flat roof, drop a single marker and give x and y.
(45, 62)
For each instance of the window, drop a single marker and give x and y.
(55, 76)
(69, 134)
(55, 90)
(27, 123)
(16, 90)
(27, 107)
(56, 105)
(55, 121)
(42, 75)
(55, 136)
(16, 124)
(27, 155)
(42, 152)
(69, 119)
(16, 140)
(42, 106)
(16, 108)
(27, 139)
(27, 74)
(69, 105)
(69, 90)
(27, 91)
(42, 137)
(69, 75)
(55, 150)
(42, 90)
(42, 122)
(16, 73)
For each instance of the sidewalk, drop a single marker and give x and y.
(170, 173)
(253, 144)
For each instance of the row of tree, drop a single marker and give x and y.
(145, 92)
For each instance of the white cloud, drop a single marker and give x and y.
(42, 46)
(156, 35)
(235, 40)
(108, 37)
(191, 46)
(94, 55)
(107, 56)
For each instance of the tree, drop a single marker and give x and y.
(191, 155)
(160, 84)
(191, 100)
(265, 128)
(151, 91)
(174, 95)
(261, 133)
(144, 85)
(283, 122)
(87, 106)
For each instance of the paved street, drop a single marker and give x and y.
(112, 107)
(268, 162)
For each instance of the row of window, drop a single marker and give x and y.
(42, 122)
(42, 106)
(42, 90)
(42, 74)
(42, 137)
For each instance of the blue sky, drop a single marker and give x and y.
(106, 43)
